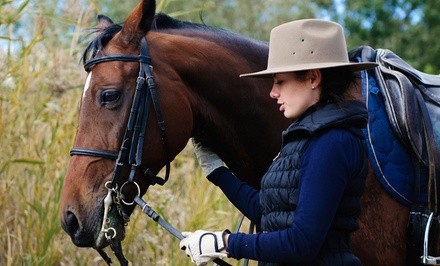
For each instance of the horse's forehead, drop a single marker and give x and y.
(87, 84)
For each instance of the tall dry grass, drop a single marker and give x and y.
(40, 87)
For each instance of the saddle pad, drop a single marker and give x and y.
(389, 158)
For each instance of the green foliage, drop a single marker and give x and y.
(404, 27)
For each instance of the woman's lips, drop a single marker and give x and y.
(281, 107)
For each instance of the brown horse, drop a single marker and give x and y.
(196, 69)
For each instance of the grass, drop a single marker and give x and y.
(40, 85)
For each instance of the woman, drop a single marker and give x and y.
(309, 200)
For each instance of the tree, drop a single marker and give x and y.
(407, 27)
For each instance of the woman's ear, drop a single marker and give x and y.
(315, 78)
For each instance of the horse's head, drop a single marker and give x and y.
(108, 103)
(199, 93)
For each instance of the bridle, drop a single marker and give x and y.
(130, 152)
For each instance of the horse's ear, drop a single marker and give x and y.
(138, 23)
(103, 22)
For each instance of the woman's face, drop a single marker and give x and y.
(295, 95)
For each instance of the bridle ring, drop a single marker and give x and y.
(108, 185)
(138, 192)
(110, 236)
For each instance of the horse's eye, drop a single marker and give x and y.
(110, 97)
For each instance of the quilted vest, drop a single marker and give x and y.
(279, 192)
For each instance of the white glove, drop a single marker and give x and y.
(208, 160)
(204, 246)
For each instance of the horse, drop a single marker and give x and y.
(199, 95)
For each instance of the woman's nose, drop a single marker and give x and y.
(274, 93)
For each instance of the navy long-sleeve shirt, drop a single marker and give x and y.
(327, 164)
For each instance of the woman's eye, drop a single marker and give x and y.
(110, 96)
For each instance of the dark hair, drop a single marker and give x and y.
(335, 83)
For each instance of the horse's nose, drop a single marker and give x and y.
(70, 224)
(76, 230)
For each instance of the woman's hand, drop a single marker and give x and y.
(204, 246)
(208, 160)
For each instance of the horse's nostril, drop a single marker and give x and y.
(71, 223)
(73, 226)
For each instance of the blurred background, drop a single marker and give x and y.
(41, 80)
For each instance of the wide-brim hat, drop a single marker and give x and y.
(307, 44)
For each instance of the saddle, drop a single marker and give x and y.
(411, 100)
(412, 103)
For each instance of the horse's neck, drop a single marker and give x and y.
(233, 116)
(238, 120)
(241, 144)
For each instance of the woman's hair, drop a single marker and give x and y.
(335, 83)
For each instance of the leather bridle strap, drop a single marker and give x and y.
(94, 153)
(131, 149)
(113, 57)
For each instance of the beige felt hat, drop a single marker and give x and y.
(307, 44)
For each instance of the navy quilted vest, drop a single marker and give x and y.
(279, 192)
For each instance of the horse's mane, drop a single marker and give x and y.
(165, 23)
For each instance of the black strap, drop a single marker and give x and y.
(94, 153)
(113, 57)
(433, 158)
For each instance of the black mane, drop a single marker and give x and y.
(164, 22)
(101, 40)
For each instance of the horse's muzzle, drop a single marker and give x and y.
(86, 232)
(75, 229)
